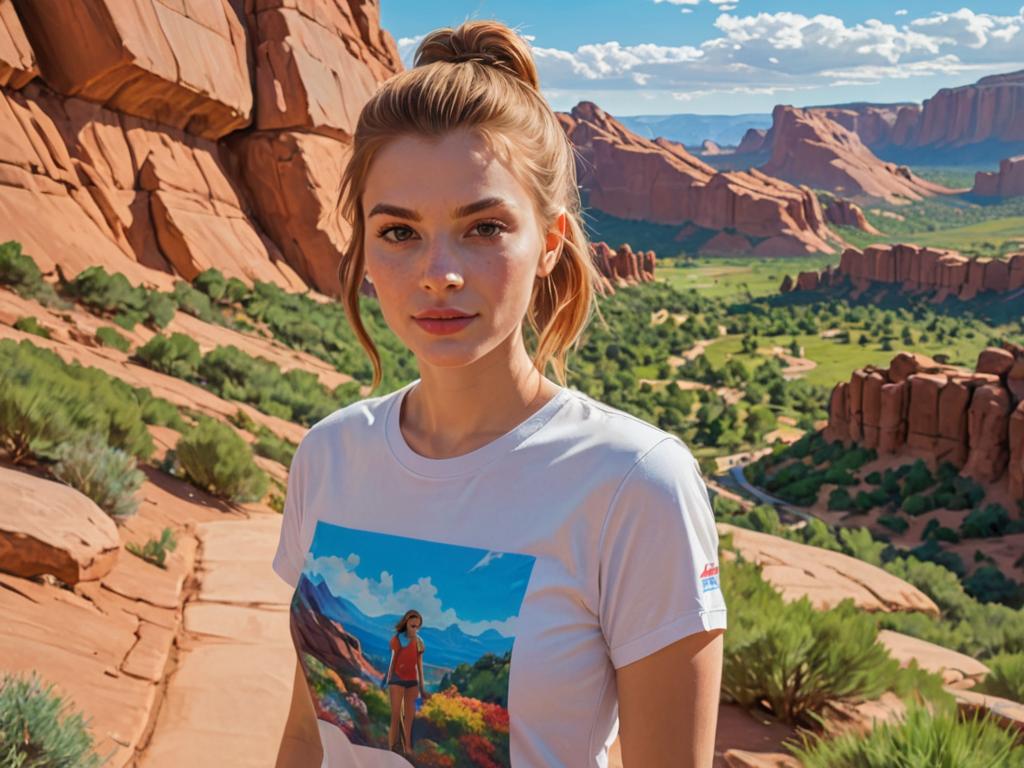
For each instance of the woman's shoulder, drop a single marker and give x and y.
(606, 428)
(351, 422)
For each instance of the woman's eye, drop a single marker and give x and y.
(490, 229)
(403, 233)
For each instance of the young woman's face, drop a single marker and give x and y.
(412, 626)
(448, 226)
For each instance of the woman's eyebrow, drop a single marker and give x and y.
(393, 210)
(460, 212)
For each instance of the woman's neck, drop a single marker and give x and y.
(451, 412)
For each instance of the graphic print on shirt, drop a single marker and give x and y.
(356, 588)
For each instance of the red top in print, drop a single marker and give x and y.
(405, 659)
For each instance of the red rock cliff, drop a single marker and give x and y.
(973, 419)
(942, 273)
(1007, 182)
(180, 137)
(622, 266)
(631, 177)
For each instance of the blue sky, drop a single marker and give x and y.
(735, 56)
(382, 574)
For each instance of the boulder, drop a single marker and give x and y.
(49, 527)
(988, 432)
(17, 61)
(995, 360)
(825, 577)
(957, 669)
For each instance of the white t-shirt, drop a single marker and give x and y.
(578, 542)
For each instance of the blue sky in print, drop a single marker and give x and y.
(382, 574)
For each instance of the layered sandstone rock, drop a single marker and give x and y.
(980, 117)
(622, 266)
(180, 64)
(631, 177)
(710, 148)
(843, 213)
(49, 527)
(941, 273)
(974, 420)
(1007, 182)
(808, 148)
(181, 136)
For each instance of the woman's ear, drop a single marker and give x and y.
(553, 239)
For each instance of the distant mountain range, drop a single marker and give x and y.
(692, 130)
(445, 647)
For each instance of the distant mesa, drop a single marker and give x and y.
(622, 266)
(806, 147)
(708, 148)
(973, 419)
(659, 181)
(1008, 181)
(977, 122)
(912, 269)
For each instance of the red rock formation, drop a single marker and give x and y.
(710, 148)
(753, 141)
(842, 213)
(942, 273)
(808, 148)
(972, 419)
(183, 136)
(987, 112)
(622, 266)
(1007, 182)
(631, 177)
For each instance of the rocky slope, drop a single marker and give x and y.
(177, 138)
(973, 419)
(658, 181)
(1007, 182)
(938, 272)
(809, 148)
(981, 121)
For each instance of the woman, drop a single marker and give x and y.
(461, 195)
(405, 676)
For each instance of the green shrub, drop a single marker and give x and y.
(195, 303)
(212, 283)
(920, 740)
(273, 447)
(918, 478)
(20, 273)
(993, 520)
(931, 551)
(39, 729)
(893, 523)
(990, 585)
(155, 550)
(216, 459)
(106, 475)
(114, 295)
(859, 543)
(915, 505)
(29, 324)
(45, 401)
(1005, 677)
(110, 337)
(176, 355)
(794, 659)
(159, 412)
(839, 500)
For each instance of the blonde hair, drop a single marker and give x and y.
(481, 76)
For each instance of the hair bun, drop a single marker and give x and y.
(490, 43)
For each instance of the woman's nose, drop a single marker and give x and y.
(441, 269)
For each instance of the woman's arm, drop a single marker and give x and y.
(668, 704)
(300, 744)
(387, 675)
(419, 672)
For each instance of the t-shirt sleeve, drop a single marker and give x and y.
(659, 578)
(394, 644)
(290, 557)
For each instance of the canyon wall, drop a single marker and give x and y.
(941, 273)
(631, 177)
(1008, 181)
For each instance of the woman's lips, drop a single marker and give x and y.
(443, 327)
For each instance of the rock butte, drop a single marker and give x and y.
(843, 213)
(940, 272)
(975, 420)
(1007, 182)
(622, 266)
(808, 148)
(659, 181)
